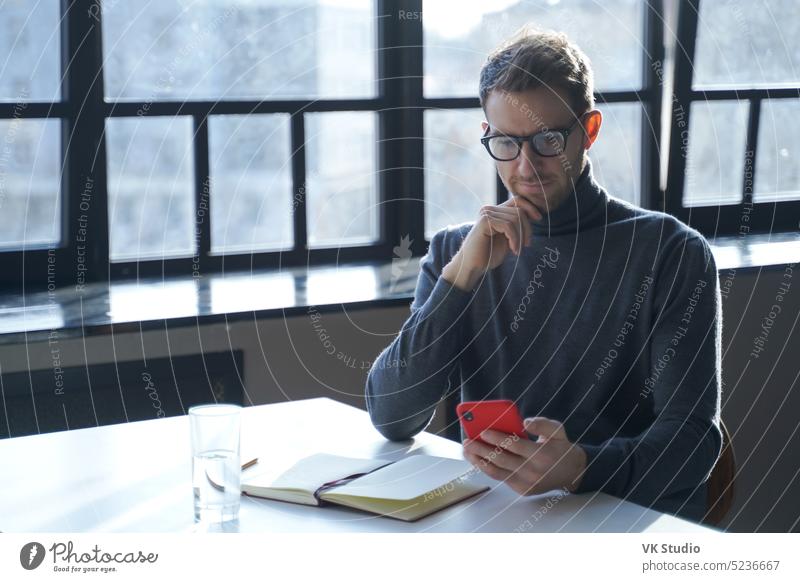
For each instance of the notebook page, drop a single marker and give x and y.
(311, 472)
(406, 479)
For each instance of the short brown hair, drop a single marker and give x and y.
(535, 58)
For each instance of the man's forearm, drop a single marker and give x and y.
(410, 376)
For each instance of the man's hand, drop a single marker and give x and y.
(528, 467)
(498, 230)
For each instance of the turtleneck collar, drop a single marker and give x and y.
(583, 208)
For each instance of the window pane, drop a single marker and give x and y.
(30, 164)
(270, 49)
(251, 188)
(747, 43)
(150, 187)
(778, 158)
(341, 173)
(616, 154)
(459, 34)
(715, 165)
(459, 174)
(30, 43)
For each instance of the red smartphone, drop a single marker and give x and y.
(499, 415)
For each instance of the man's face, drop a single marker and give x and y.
(544, 181)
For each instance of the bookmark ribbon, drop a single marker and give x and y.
(333, 484)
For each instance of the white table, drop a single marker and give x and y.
(136, 477)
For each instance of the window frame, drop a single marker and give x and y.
(729, 219)
(399, 105)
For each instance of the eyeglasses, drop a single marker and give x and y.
(547, 143)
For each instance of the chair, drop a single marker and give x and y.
(720, 486)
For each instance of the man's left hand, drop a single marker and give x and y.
(529, 467)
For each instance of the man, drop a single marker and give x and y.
(601, 320)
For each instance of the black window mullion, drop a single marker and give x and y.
(745, 93)
(236, 107)
(653, 83)
(401, 153)
(32, 110)
(748, 177)
(84, 183)
(688, 12)
(202, 201)
(299, 188)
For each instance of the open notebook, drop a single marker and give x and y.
(408, 489)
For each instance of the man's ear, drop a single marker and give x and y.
(591, 125)
(484, 125)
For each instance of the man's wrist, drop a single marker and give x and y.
(459, 275)
(581, 463)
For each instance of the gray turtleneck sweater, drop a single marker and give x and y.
(609, 322)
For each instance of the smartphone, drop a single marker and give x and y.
(499, 415)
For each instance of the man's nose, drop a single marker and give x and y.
(527, 161)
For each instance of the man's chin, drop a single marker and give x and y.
(538, 199)
(545, 198)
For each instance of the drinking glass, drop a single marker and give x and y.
(216, 468)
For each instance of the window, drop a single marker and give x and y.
(30, 197)
(617, 158)
(239, 49)
(31, 34)
(182, 138)
(457, 40)
(29, 183)
(150, 192)
(714, 170)
(459, 176)
(747, 44)
(342, 202)
(251, 180)
(254, 73)
(209, 138)
(733, 167)
(778, 168)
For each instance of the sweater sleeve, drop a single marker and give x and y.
(677, 452)
(409, 377)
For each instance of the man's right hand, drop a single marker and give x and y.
(498, 230)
